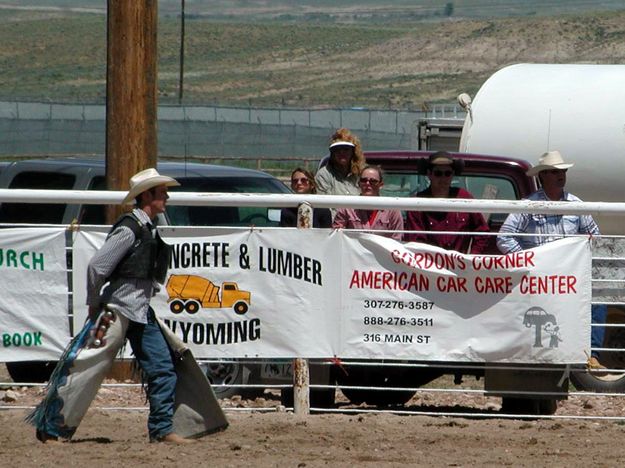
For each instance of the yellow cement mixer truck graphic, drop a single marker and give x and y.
(190, 292)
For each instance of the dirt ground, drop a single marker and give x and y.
(284, 440)
(263, 434)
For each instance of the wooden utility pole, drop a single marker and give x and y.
(131, 97)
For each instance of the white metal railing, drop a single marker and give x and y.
(95, 197)
(484, 206)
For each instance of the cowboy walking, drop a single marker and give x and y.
(129, 265)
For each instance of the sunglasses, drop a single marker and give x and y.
(372, 182)
(303, 180)
(439, 173)
(556, 171)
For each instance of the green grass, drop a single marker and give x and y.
(53, 58)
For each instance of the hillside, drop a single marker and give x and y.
(362, 11)
(61, 56)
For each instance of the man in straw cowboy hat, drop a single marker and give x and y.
(551, 171)
(129, 265)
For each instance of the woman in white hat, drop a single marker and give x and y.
(342, 173)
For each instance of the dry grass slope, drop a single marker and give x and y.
(61, 56)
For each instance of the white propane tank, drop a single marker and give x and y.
(524, 110)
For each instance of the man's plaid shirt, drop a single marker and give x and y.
(550, 227)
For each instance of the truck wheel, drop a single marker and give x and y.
(596, 382)
(30, 371)
(606, 382)
(240, 307)
(192, 306)
(176, 306)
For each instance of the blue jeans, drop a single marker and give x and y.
(156, 361)
(598, 314)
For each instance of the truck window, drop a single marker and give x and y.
(404, 184)
(94, 214)
(224, 215)
(203, 215)
(398, 184)
(45, 213)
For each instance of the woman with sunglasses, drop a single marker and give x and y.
(370, 181)
(441, 170)
(303, 182)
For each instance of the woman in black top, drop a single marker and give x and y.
(302, 182)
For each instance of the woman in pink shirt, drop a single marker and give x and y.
(370, 182)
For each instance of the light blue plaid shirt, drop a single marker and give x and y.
(550, 227)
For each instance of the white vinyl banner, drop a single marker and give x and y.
(414, 301)
(318, 293)
(234, 293)
(33, 294)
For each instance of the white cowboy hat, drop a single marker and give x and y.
(145, 180)
(549, 160)
(342, 143)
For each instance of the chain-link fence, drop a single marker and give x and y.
(42, 129)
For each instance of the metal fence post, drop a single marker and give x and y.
(301, 374)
